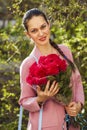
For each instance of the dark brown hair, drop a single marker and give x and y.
(30, 13)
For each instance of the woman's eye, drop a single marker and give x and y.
(43, 26)
(33, 31)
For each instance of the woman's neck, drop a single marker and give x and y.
(46, 50)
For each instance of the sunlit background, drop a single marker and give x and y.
(68, 26)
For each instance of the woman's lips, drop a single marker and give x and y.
(42, 38)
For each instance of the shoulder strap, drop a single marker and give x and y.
(41, 110)
(40, 118)
(36, 59)
(20, 118)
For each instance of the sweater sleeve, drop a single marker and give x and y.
(28, 94)
(78, 87)
(78, 90)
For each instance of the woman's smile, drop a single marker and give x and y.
(42, 38)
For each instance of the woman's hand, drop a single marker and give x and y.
(73, 108)
(49, 91)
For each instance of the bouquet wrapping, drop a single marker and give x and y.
(52, 67)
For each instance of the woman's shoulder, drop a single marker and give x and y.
(33, 56)
(66, 50)
(64, 47)
(28, 61)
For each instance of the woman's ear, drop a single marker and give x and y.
(27, 34)
(49, 23)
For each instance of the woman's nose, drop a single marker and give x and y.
(40, 32)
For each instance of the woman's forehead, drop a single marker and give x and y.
(36, 21)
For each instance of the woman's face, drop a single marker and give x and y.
(39, 30)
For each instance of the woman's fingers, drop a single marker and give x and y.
(72, 113)
(72, 109)
(52, 86)
(38, 88)
(72, 104)
(47, 86)
(54, 89)
(49, 91)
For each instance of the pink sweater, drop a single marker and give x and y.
(53, 112)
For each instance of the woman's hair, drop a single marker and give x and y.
(36, 12)
(30, 13)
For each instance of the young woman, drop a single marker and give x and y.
(38, 29)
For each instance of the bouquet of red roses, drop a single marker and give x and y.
(54, 68)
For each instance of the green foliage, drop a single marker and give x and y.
(69, 26)
(9, 96)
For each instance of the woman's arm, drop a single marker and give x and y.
(28, 94)
(78, 93)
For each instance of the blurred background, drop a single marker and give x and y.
(68, 26)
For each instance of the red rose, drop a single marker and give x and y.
(34, 80)
(36, 74)
(63, 66)
(36, 70)
(46, 66)
(50, 63)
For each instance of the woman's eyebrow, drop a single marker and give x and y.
(40, 26)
